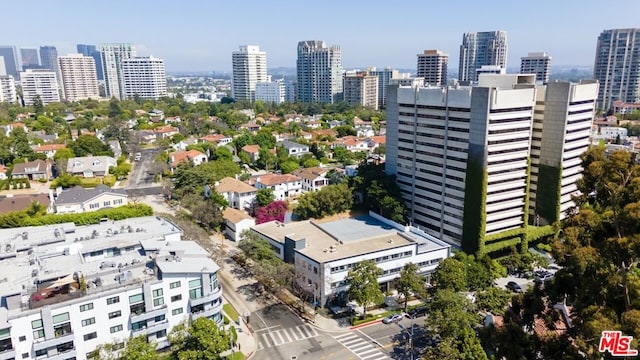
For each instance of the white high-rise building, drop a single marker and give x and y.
(112, 56)
(319, 71)
(617, 66)
(432, 66)
(361, 88)
(271, 91)
(79, 77)
(249, 68)
(384, 79)
(7, 89)
(145, 77)
(538, 63)
(481, 48)
(41, 82)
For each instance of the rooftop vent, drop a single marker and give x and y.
(25, 235)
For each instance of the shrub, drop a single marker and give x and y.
(20, 218)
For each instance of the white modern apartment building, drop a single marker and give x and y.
(319, 70)
(538, 63)
(617, 66)
(39, 82)
(432, 66)
(384, 79)
(79, 77)
(271, 92)
(481, 48)
(7, 89)
(322, 254)
(361, 88)
(144, 77)
(111, 56)
(80, 287)
(249, 68)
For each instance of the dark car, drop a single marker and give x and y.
(513, 286)
(417, 312)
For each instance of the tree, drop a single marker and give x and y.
(203, 340)
(19, 144)
(223, 153)
(289, 166)
(450, 274)
(86, 145)
(38, 106)
(410, 282)
(267, 267)
(331, 199)
(275, 210)
(264, 196)
(138, 348)
(493, 300)
(363, 284)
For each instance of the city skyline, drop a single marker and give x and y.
(200, 36)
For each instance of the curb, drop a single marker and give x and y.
(365, 324)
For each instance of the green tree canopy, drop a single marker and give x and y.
(410, 282)
(363, 284)
(86, 145)
(138, 348)
(264, 197)
(203, 340)
(331, 199)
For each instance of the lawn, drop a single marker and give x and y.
(231, 312)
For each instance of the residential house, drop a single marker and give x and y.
(313, 179)
(376, 141)
(313, 124)
(365, 131)
(217, 139)
(351, 143)
(283, 185)
(235, 222)
(116, 148)
(182, 145)
(283, 137)
(166, 132)
(295, 149)
(156, 115)
(306, 135)
(49, 149)
(334, 123)
(249, 112)
(32, 170)
(90, 166)
(239, 194)
(178, 157)
(253, 151)
(79, 200)
(3, 172)
(8, 128)
(147, 136)
(11, 203)
(172, 120)
(324, 134)
(293, 118)
(251, 127)
(42, 135)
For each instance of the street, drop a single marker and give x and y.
(139, 176)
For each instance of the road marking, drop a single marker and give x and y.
(267, 328)
(274, 338)
(363, 349)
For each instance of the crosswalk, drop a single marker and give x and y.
(362, 348)
(285, 336)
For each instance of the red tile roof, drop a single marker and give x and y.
(253, 149)
(275, 179)
(182, 156)
(50, 147)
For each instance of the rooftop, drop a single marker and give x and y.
(230, 184)
(78, 194)
(275, 179)
(235, 215)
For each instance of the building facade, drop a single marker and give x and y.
(49, 58)
(271, 92)
(29, 56)
(319, 70)
(538, 63)
(111, 56)
(384, 79)
(79, 77)
(144, 77)
(617, 66)
(91, 50)
(7, 89)
(432, 66)
(481, 48)
(249, 68)
(361, 88)
(39, 82)
(8, 53)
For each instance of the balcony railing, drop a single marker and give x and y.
(152, 328)
(149, 314)
(8, 354)
(206, 298)
(70, 354)
(43, 343)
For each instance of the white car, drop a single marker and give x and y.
(392, 319)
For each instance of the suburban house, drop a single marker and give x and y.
(178, 157)
(182, 145)
(11, 203)
(313, 124)
(251, 127)
(235, 222)
(282, 137)
(90, 166)
(156, 115)
(10, 127)
(32, 170)
(313, 179)
(351, 143)
(295, 149)
(146, 136)
(172, 120)
(283, 185)
(375, 141)
(166, 132)
(116, 148)
(253, 151)
(79, 200)
(334, 123)
(217, 139)
(3, 172)
(239, 195)
(49, 149)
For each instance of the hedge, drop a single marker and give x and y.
(537, 232)
(20, 218)
(475, 201)
(371, 317)
(502, 244)
(548, 193)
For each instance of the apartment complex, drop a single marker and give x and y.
(49, 58)
(79, 77)
(537, 63)
(271, 92)
(462, 154)
(83, 286)
(361, 88)
(384, 79)
(39, 82)
(7, 89)
(249, 68)
(617, 66)
(319, 71)
(8, 53)
(91, 50)
(111, 58)
(144, 77)
(432, 66)
(481, 48)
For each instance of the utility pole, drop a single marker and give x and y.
(409, 335)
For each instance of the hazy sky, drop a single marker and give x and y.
(200, 35)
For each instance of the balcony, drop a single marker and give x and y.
(43, 343)
(148, 315)
(207, 312)
(206, 298)
(8, 354)
(70, 354)
(151, 329)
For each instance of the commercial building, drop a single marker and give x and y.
(271, 92)
(323, 253)
(432, 66)
(361, 88)
(538, 63)
(249, 68)
(617, 66)
(79, 77)
(319, 71)
(91, 50)
(481, 48)
(83, 286)
(49, 58)
(384, 79)
(7, 89)
(111, 58)
(39, 82)
(144, 77)
(8, 53)
(29, 56)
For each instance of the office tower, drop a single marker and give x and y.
(384, 79)
(481, 48)
(3, 69)
(91, 50)
(361, 88)
(538, 63)
(271, 91)
(432, 66)
(319, 71)
(78, 76)
(290, 91)
(111, 56)
(7, 89)
(10, 60)
(29, 57)
(617, 66)
(249, 68)
(41, 82)
(49, 58)
(144, 77)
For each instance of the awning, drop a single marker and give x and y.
(69, 279)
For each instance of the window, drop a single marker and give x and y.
(157, 297)
(136, 298)
(176, 298)
(195, 289)
(89, 321)
(158, 301)
(25, 355)
(86, 307)
(161, 334)
(115, 314)
(115, 329)
(106, 203)
(157, 292)
(175, 284)
(90, 336)
(38, 334)
(177, 311)
(60, 318)
(42, 352)
(36, 324)
(22, 338)
(113, 300)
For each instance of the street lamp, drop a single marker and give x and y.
(409, 335)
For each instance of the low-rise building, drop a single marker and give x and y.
(239, 194)
(313, 179)
(11, 203)
(32, 170)
(217, 139)
(166, 132)
(351, 143)
(295, 149)
(80, 200)
(178, 157)
(284, 186)
(90, 166)
(253, 151)
(49, 149)
(236, 222)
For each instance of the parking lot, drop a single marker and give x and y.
(524, 282)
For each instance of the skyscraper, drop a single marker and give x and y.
(249, 68)
(617, 66)
(481, 48)
(29, 57)
(384, 79)
(538, 63)
(10, 60)
(7, 89)
(432, 66)
(49, 58)
(90, 50)
(144, 77)
(39, 82)
(78, 76)
(111, 58)
(361, 88)
(319, 71)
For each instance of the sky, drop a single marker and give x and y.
(201, 35)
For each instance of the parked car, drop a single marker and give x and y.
(543, 276)
(417, 312)
(392, 319)
(513, 286)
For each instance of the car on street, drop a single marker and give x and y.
(513, 286)
(543, 276)
(417, 312)
(138, 156)
(392, 319)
